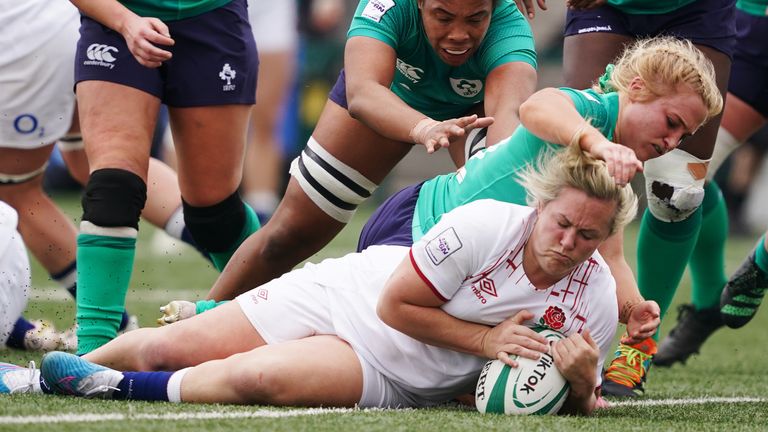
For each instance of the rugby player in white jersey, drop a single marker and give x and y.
(394, 326)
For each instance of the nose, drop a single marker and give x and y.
(568, 239)
(458, 33)
(672, 141)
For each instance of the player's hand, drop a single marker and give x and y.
(621, 160)
(527, 9)
(143, 35)
(511, 337)
(435, 134)
(176, 310)
(576, 358)
(584, 4)
(644, 319)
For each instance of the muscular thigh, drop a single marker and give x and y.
(702, 142)
(117, 124)
(599, 48)
(210, 145)
(357, 145)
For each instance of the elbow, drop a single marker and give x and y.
(384, 310)
(354, 104)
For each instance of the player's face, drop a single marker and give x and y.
(455, 28)
(658, 125)
(568, 231)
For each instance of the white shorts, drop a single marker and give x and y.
(38, 96)
(295, 306)
(274, 25)
(14, 281)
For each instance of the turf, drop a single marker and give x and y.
(731, 365)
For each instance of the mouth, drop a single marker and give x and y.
(565, 259)
(456, 52)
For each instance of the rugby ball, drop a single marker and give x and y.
(534, 387)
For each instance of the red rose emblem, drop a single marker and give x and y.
(553, 318)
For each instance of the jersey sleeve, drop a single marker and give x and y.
(593, 107)
(464, 240)
(509, 39)
(383, 20)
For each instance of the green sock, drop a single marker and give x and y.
(708, 258)
(206, 305)
(761, 256)
(251, 225)
(663, 249)
(104, 267)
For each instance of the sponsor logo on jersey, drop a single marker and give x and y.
(466, 87)
(261, 294)
(227, 74)
(375, 9)
(411, 72)
(100, 55)
(594, 29)
(443, 246)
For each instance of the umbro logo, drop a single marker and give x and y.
(100, 55)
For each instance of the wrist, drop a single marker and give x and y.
(418, 133)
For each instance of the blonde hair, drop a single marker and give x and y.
(664, 63)
(571, 167)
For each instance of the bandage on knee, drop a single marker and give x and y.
(333, 186)
(675, 185)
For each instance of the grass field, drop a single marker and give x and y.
(723, 389)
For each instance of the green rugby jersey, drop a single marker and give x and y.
(425, 82)
(172, 10)
(492, 173)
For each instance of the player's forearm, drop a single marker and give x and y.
(110, 13)
(433, 326)
(383, 111)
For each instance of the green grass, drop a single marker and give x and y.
(732, 364)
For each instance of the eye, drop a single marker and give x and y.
(671, 123)
(562, 224)
(587, 235)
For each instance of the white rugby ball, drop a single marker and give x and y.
(534, 387)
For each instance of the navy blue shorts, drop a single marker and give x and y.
(749, 72)
(338, 93)
(710, 23)
(391, 223)
(214, 62)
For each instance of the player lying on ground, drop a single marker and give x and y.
(393, 326)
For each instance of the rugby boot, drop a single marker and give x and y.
(692, 330)
(743, 294)
(627, 373)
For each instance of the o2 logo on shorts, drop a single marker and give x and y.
(375, 9)
(466, 87)
(27, 124)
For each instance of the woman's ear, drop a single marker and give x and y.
(637, 89)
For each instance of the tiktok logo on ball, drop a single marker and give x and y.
(227, 74)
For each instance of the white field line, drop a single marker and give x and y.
(85, 418)
(264, 413)
(692, 401)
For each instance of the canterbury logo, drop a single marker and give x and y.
(101, 53)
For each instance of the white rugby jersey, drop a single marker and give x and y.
(472, 259)
(28, 25)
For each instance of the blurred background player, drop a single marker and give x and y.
(414, 73)
(596, 31)
(745, 112)
(275, 30)
(199, 58)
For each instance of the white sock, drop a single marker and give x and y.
(174, 385)
(175, 224)
(725, 144)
